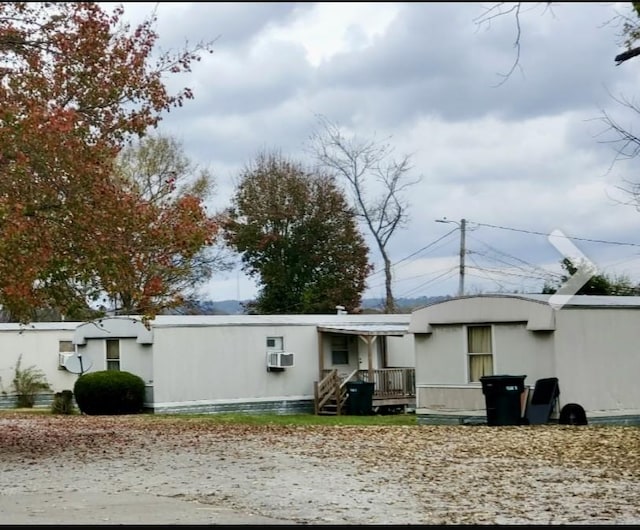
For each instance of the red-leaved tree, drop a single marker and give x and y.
(76, 84)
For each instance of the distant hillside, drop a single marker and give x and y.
(369, 305)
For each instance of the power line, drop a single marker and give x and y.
(425, 248)
(398, 280)
(504, 288)
(381, 270)
(412, 291)
(507, 255)
(622, 243)
(532, 271)
(482, 270)
(509, 286)
(507, 273)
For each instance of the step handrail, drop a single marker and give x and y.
(348, 378)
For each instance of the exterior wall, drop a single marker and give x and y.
(354, 344)
(39, 346)
(400, 351)
(538, 315)
(210, 366)
(200, 363)
(363, 353)
(135, 358)
(598, 361)
(442, 385)
(591, 349)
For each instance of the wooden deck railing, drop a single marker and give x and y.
(330, 393)
(389, 382)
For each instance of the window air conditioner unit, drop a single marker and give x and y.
(62, 360)
(279, 359)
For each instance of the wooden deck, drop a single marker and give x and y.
(394, 388)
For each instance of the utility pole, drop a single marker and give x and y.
(463, 228)
(463, 251)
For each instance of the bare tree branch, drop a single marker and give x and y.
(501, 9)
(363, 164)
(626, 145)
(625, 56)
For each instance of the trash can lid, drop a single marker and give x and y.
(501, 377)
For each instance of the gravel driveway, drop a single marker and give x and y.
(163, 470)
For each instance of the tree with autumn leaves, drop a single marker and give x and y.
(77, 85)
(172, 246)
(298, 236)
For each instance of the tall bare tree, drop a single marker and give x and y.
(376, 182)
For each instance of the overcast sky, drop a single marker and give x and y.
(526, 155)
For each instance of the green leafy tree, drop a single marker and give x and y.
(298, 236)
(598, 284)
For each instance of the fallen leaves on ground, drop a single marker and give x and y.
(549, 474)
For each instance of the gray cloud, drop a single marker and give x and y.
(433, 61)
(523, 155)
(231, 24)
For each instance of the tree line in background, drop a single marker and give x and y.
(98, 214)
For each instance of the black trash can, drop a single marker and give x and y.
(502, 395)
(360, 398)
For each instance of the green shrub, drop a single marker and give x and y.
(27, 382)
(109, 392)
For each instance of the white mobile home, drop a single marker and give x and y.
(249, 362)
(42, 345)
(590, 345)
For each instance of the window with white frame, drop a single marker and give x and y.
(113, 354)
(479, 352)
(275, 343)
(339, 349)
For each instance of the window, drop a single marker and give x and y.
(339, 349)
(113, 355)
(66, 346)
(65, 350)
(275, 343)
(480, 352)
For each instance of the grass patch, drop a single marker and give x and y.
(293, 419)
(239, 418)
(35, 411)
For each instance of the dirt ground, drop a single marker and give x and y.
(160, 470)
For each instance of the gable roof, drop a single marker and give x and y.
(574, 301)
(538, 311)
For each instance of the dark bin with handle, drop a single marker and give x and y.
(360, 398)
(502, 395)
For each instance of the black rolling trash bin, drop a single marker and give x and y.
(360, 398)
(502, 395)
